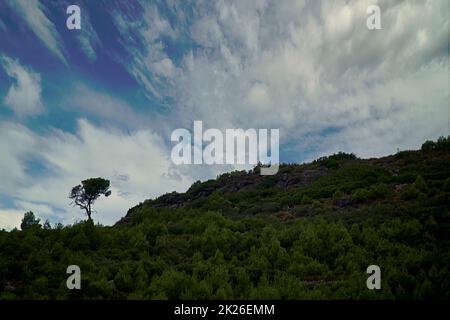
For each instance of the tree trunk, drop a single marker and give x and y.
(88, 210)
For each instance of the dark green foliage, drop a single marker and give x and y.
(308, 232)
(378, 191)
(29, 221)
(85, 194)
(421, 185)
(428, 146)
(442, 144)
(334, 160)
(410, 193)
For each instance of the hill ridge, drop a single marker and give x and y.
(329, 171)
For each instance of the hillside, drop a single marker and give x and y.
(338, 186)
(308, 232)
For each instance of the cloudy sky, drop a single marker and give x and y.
(103, 100)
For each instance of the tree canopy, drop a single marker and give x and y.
(29, 221)
(85, 194)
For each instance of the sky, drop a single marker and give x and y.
(102, 101)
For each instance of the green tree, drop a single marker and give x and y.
(428, 145)
(85, 194)
(29, 221)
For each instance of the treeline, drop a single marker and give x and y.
(170, 254)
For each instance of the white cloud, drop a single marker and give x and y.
(137, 164)
(88, 37)
(33, 13)
(10, 219)
(263, 65)
(157, 25)
(164, 67)
(258, 97)
(24, 95)
(94, 103)
(151, 67)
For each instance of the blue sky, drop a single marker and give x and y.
(103, 100)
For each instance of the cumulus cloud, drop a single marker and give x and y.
(137, 164)
(33, 14)
(24, 95)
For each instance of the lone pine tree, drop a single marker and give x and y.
(85, 194)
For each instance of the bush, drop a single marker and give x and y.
(420, 184)
(124, 278)
(361, 195)
(306, 200)
(428, 146)
(375, 192)
(442, 144)
(379, 191)
(333, 161)
(338, 194)
(410, 193)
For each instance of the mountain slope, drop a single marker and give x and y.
(309, 232)
(338, 185)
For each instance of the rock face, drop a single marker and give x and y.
(303, 178)
(289, 176)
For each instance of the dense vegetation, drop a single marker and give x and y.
(308, 232)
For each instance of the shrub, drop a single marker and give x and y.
(379, 191)
(442, 144)
(306, 200)
(361, 195)
(338, 194)
(420, 184)
(428, 146)
(410, 193)
(333, 161)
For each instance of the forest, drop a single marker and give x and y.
(308, 232)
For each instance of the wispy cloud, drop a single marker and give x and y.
(33, 14)
(88, 37)
(24, 94)
(141, 35)
(2, 26)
